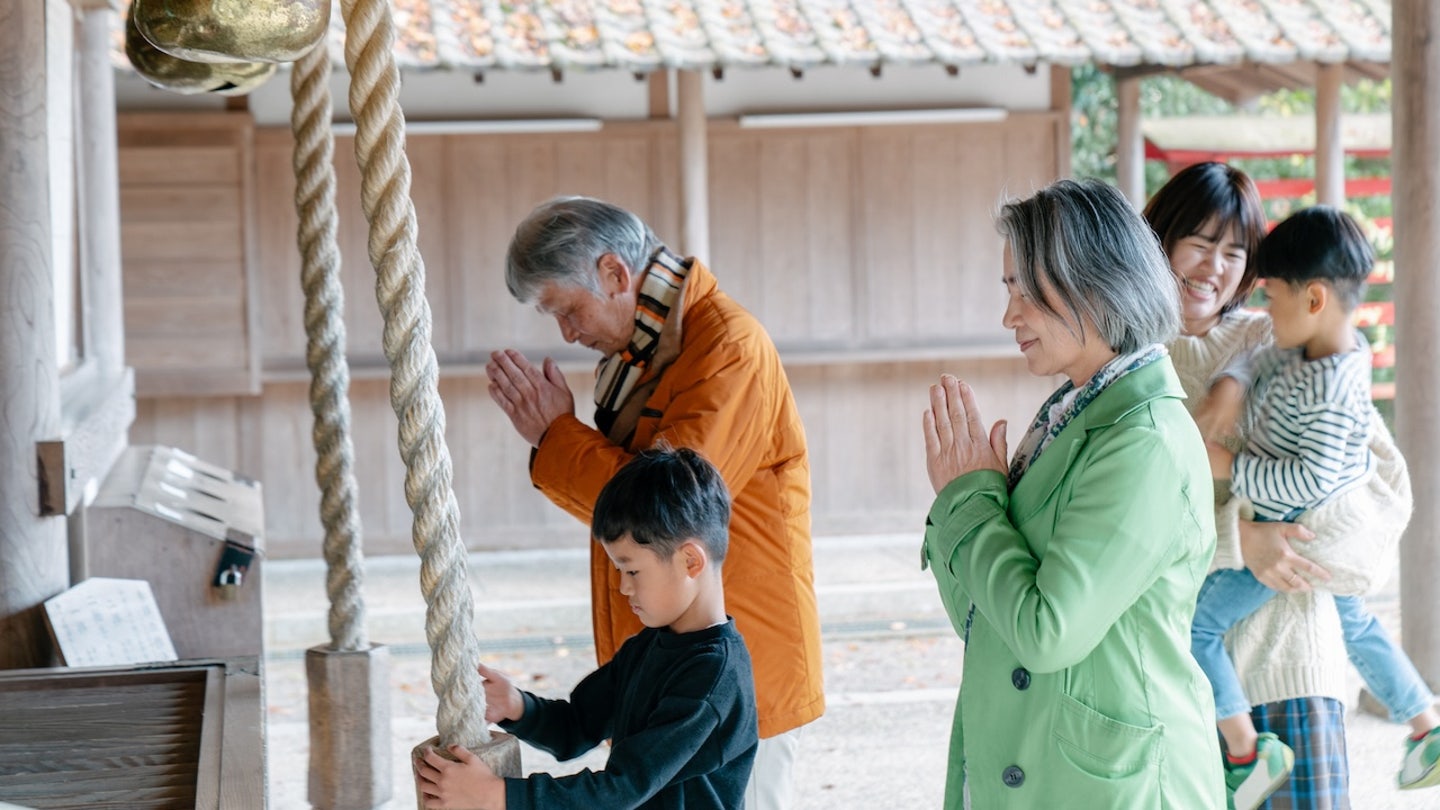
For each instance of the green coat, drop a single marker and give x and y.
(1079, 690)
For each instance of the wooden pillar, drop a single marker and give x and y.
(1130, 147)
(33, 559)
(99, 191)
(1329, 146)
(1060, 102)
(658, 90)
(694, 166)
(1415, 156)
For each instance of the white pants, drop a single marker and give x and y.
(772, 782)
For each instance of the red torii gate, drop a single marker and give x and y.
(1183, 140)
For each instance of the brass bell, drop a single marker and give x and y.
(233, 30)
(187, 78)
(249, 76)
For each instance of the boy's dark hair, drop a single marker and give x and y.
(1320, 243)
(1208, 190)
(662, 498)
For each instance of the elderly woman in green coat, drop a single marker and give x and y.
(1072, 572)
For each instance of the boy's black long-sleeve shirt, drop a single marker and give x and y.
(679, 710)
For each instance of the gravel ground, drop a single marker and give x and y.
(892, 667)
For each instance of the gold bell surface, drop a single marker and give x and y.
(245, 77)
(187, 78)
(233, 30)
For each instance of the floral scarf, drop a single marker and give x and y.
(1068, 401)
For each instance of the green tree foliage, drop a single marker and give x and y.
(1093, 125)
(1093, 118)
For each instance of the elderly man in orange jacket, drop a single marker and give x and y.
(686, 365)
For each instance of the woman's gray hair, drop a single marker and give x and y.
(563, 239)
(1100, 260)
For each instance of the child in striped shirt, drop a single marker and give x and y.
(1309, 412)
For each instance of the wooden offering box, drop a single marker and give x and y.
(195, 531)
(136, 738)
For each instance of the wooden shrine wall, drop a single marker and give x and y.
(869, 253)
(187, 187)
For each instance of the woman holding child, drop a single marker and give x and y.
(1071, 571)
(1289, 654)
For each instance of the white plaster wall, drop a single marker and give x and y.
(455, 95)
(898, 87)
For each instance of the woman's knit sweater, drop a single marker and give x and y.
(1292, 647)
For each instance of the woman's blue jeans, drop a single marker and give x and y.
(1227, 596)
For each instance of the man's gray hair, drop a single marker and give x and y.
(1100, 260)
(563, 239)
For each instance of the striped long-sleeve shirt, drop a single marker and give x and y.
(1311, 430)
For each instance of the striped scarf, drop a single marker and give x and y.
(617, 374)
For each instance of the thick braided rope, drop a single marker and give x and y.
(325, 347)
(414, 391)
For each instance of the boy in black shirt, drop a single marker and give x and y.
(677, 701)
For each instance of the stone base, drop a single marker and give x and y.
(502, 754)
(351, 761)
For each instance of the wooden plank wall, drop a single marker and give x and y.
(469, 193)
(186, 189)
(869, 253)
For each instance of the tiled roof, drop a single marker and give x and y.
(645, 35)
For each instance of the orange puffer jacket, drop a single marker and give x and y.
(727, 397)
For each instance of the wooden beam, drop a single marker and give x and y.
(1415, 73)
(1060, 88)
(1329, 145)
(33, 564)
(77, 463)
(1232, 84)
(1060, 99)
(1130, 147)
(98, 398)
(1143, 71)
(248, 235)
(98, 187)
(659, 87)
(242, 736)
(694, 166)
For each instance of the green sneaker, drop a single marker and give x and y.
(1418, 770)
(1249, 785)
